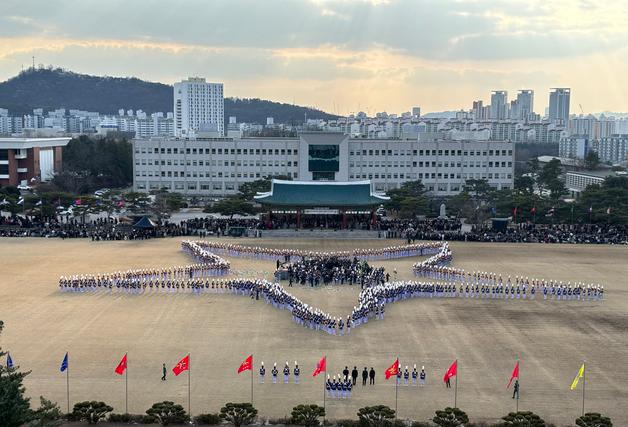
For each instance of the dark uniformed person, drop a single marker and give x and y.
(345, 373)
(163, 370)
(372, 376)
(274, 373)
(297, 372)
(422, 376)
(415, 374)
(262, 373)
(354, 374)
(406, 376)
(515, 389)
(365, 375)
(286, 373)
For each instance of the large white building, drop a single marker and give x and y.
(218, 166)
(198, 107)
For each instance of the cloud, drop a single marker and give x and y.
(337, 54)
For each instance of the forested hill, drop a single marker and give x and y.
(50, 89)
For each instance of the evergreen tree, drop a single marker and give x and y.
(14, 407)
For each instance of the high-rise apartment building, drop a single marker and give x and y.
(198, 107)
(559, 105)
(499, 104)
(524, 105)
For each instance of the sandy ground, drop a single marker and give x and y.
(486, 336)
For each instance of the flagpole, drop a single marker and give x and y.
(324, 395)
(456, 386)
(519, 389)
(126, 386)
(189, 388)
(251, 379)
(67, 379)
(396, 387)
(584, 384)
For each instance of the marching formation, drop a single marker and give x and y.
(390, 252)
(492, 285)
(332, 267)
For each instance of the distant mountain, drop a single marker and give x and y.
(440, 115)
(50, 89)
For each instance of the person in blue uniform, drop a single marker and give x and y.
(274, 373)
(415, 374)
(406, 376)
(328, 385)
(262, 373)
(422, 376)
(296, 372)
(286, 373)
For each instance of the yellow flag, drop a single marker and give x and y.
(574, 384)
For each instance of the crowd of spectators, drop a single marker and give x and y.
(410, 230)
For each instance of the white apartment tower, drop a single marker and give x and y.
(559, 105)
(198, 106)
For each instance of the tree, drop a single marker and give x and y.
(409, 200)
(230, 206)
(591, 160)
(534, 166)
(136, 202)
(92, 412)
(95, 163)
(14, 407)
(522, 419)
(47, 415)
(166, 202)
(524, 183)
(479, 189)
(450, 417)
(307, 415)
(167, 412)
(249, 189)
(376, 416)
(238, 414)
(549, 179)
(593, 419)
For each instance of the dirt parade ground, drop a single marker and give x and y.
(551, 338)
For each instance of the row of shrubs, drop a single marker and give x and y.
(242, 414)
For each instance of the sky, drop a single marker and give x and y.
(342, 56)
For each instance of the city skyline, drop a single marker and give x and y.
(341, 56)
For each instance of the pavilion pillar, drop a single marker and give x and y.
(269, 221)
(373, 218)
(344, 219)
(298, 218)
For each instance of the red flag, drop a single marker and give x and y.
(452, 371)
(515, 374)
(321, 366)
(533, 210)
(183, 365)
(393, 370)
(121, 366)
(514, 211)
(247, 365)
(77, 202)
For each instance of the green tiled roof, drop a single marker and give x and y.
(320, 193)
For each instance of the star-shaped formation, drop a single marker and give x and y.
(199, 278)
